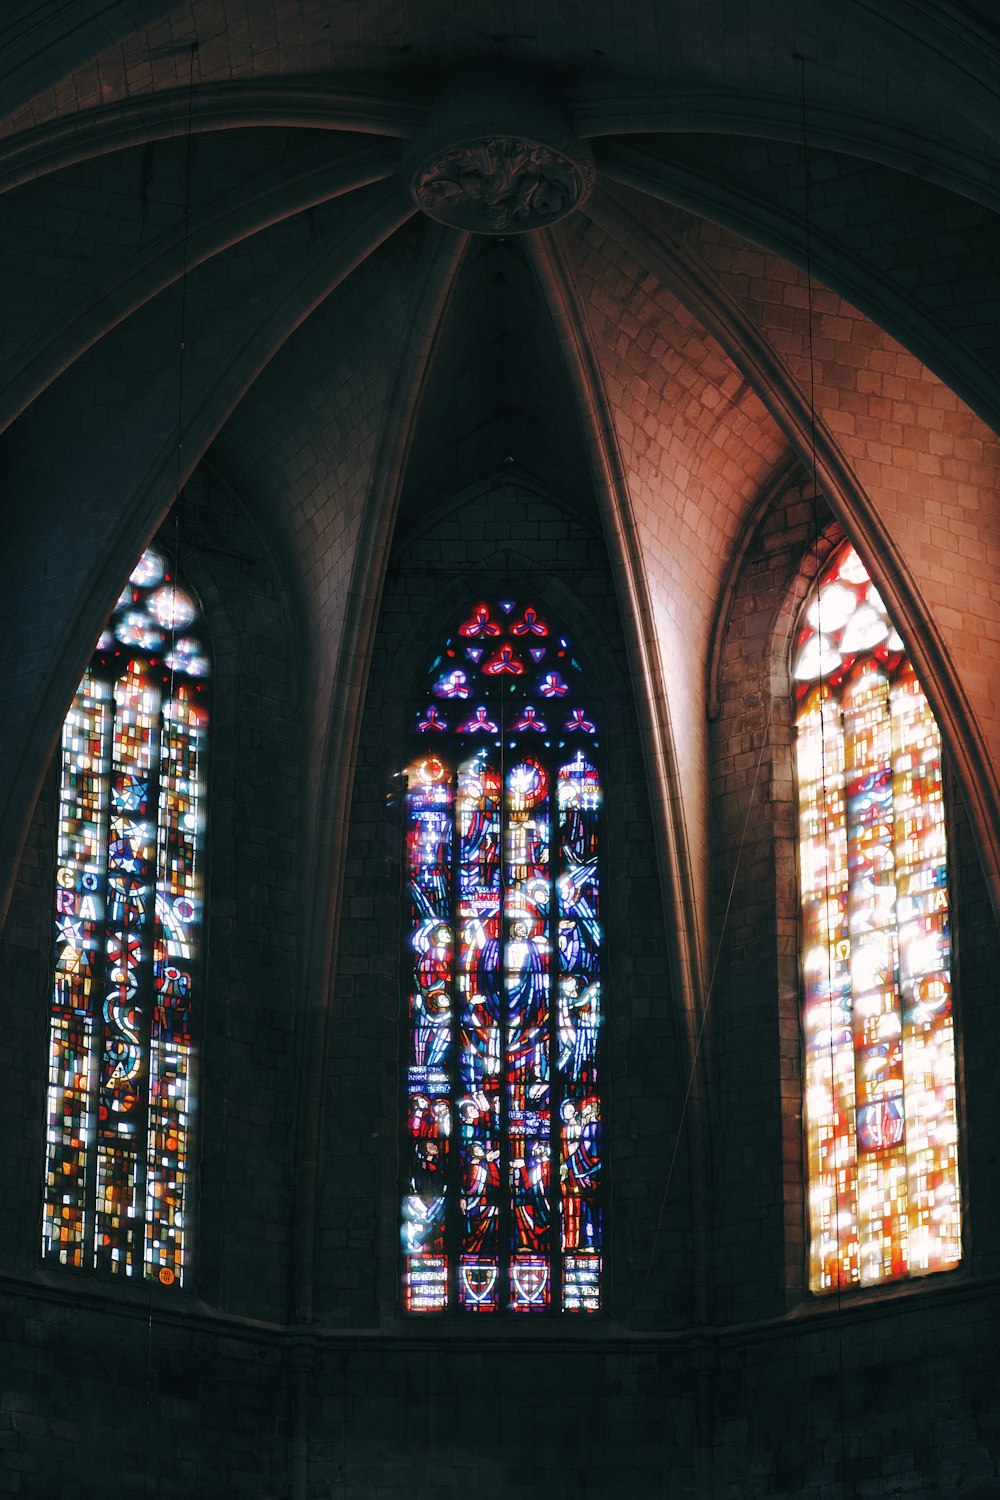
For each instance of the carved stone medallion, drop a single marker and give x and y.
(497, 160)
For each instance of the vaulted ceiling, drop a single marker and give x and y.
(791, 256)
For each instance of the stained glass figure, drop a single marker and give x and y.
(128, 920)
(880, 1104)
(501, 1205)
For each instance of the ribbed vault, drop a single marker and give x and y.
(210, 260)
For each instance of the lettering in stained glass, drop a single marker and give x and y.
(501, 1206)
(128, 922)
(880, 1098)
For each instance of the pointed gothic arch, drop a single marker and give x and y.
(880, 1107)
(128, 939)
(501, 1194)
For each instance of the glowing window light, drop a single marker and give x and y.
(501, 1205)
(128, 916)
(879, 1088)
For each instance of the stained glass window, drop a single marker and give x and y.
(128, 922)
(880, 1107)
(501, 1199)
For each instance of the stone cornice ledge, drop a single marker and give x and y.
(184, 1310)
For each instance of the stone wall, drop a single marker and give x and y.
(216, 1389)
(870, 1393)
(139, 1390)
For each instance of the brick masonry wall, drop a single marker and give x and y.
(175, 1393)
(756, 1151)
(521, 1419)
(928, 465)
(889, 1392)
(506, 533)
(496, 356)
(101, 1396)
(430, 1412)
(697, 445)
(781, 1395)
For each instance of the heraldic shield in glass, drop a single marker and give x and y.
(128, 922)
(880, 1107)
(503, 1149)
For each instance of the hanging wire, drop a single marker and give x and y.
(765, 734)
(168, 709)
(182, 347)
(810, 332)
(185, 241)
(731, 892)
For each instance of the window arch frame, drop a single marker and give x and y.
(132, 1252)
(414, 693)
(811, 577)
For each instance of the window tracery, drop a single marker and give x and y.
(501, 1202)
(880, 1095)
(128, 924)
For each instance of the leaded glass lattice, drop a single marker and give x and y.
(501, 1205)
(880, 1106)
(128, 922)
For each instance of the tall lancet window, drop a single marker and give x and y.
(880, 1107)
(501, 1197)
(128, 934)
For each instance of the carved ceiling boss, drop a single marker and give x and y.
(497, 158)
